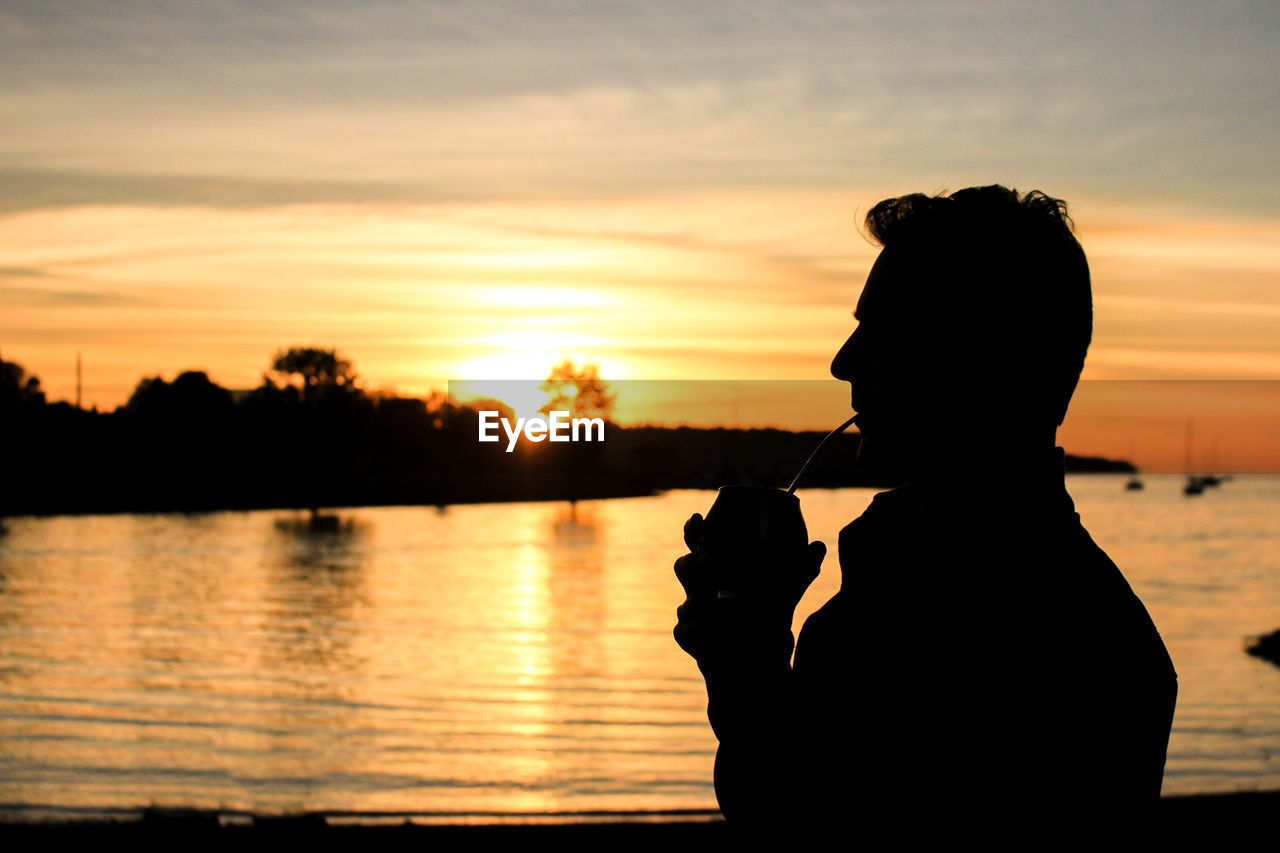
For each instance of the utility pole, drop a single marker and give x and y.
(78, 380)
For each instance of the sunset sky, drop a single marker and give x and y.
(669, 190)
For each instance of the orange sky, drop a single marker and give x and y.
(450, 194)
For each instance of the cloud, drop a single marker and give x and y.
(11, 272)
(49, 291)
(41, 297)
(35, 189)
(226, 103)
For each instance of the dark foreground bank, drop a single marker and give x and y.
(1207, 821)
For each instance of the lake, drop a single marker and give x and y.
(499, 659)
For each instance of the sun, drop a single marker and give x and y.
(522, 395)
(516, 363)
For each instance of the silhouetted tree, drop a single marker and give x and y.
(18, 391)
(582, 394)
(191, 396)
(313, 371)
(326, 430)
(175, 443)
(20, 400)
(437, 405)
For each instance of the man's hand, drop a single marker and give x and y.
(756, 619)
(742, 642)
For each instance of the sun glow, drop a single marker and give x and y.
(521, 395)
(544, 297)
(538, 259)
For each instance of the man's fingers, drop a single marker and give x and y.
(686, 569)
(684, 638)
(684, 612)
(685, 627)
(693, 531)
(817, 552)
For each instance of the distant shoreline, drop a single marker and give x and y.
(539, 493)
(195, 449)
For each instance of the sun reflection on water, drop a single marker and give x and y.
(495, 658)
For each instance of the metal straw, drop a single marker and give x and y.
(814, 455)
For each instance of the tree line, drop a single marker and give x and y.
(310, 437)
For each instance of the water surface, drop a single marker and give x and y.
(509, 658)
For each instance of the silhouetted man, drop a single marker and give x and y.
(984, 667)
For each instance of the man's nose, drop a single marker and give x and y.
(842, 365)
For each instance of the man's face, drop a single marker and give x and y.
(894, 366)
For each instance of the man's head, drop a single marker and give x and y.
(973, 326)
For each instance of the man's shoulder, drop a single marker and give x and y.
(826, 618)
(890, 502)
(1099, 579)
(889, 511)
(823, 641)
(1087, 568)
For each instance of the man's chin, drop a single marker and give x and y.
(882, 461)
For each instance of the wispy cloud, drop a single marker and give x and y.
(35, 189)
(34, 286)
(521, 99)
(36, 296)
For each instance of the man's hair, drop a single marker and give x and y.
(1008, 267)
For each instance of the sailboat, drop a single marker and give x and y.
(1195, 485)
(1212, 479)
(1135, 483)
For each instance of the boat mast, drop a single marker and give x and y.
(1188, 447)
